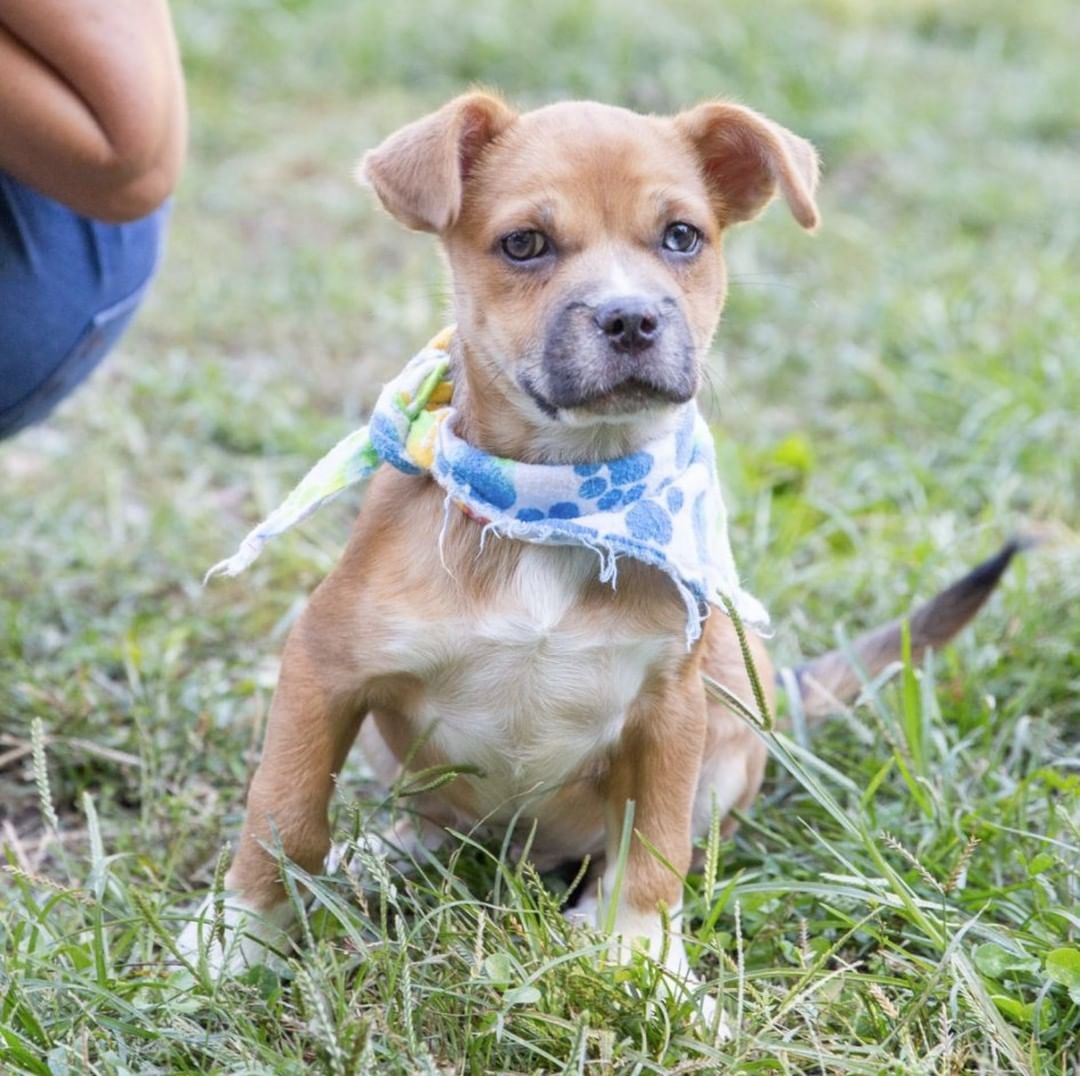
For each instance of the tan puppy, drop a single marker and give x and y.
(585, 244)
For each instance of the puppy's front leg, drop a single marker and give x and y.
(314, 718)
(657, 766)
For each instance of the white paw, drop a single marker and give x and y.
(352, 856)
(711, 1016)
(366, 859)
(645, 933)
(586, 912)
(681, 984)
(231, 936)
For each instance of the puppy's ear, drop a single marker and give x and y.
(419, 172)
(745, 158)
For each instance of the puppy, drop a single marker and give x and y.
(585, 246)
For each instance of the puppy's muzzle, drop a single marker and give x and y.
(617, 356)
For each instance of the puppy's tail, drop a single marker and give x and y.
(826, 684)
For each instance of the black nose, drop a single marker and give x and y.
(630, 324)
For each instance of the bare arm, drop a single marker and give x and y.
(92, 108)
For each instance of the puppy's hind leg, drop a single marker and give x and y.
(733, 764)
(401, 845)
(408, 837)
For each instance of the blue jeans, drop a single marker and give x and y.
(69, 286)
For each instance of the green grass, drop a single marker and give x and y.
(894, 397)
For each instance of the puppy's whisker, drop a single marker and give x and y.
(709, 391)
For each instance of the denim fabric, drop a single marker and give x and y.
(69, 287)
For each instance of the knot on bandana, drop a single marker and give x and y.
(661, 505)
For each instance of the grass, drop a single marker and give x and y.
(897, 395)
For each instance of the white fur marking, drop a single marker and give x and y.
(250, 938)
(645, 930)
(619, 282)
(530, 691)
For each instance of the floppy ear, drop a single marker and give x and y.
(419, 172)
(746, 157)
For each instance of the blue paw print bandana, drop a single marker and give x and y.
(661, 505)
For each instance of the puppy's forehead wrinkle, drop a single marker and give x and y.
(545, 213)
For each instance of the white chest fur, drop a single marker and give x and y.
(534, 689)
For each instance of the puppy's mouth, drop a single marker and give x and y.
(631, 396)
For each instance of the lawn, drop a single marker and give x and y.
(893, 397)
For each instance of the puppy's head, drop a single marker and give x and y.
(585, 242)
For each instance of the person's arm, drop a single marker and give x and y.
(92, 108)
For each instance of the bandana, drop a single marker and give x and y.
(660, 505)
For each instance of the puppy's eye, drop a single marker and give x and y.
(681, 238)
(525, 245)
